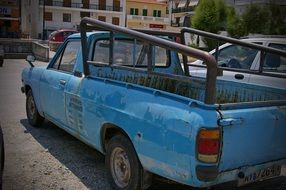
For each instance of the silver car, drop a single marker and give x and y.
(236, 60)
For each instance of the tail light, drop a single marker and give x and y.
(208, 145)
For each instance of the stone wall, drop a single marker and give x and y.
(20, 48)
(16, 48)
(40, 51)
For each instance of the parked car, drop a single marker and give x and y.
(127, 95)
(236, 59)
(57, 37)
(61, 35)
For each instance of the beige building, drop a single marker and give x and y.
(147, 14)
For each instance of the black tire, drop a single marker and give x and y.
(121, 155)
(34, 118)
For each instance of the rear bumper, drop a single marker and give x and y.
(273, 183)
(232, 176)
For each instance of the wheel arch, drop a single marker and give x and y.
(109, 130)
(27, 88)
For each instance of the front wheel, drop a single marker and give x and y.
(124, 171)
(33, 115)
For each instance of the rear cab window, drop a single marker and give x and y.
(128, 52)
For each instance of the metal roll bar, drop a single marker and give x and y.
(210, 88)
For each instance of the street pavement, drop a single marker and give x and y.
(48, 157)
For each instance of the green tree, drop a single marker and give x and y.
(222, 11)
(206, 17)
(256, 19)
(210, 16)
(234, 24)
(277, 26)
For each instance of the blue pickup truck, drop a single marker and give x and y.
(126, 94)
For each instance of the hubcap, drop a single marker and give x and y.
(120, 167)
(31, 107)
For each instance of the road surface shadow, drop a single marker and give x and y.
(85, 162)
(88, 164)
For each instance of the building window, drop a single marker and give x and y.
(116, 5)
(48, 16)
(66, 17)
(156, 13)
(49, 2)
(102, 18)
(67, 3)
(102, 4)
(115, 20)
(85, 4)
(84, 14)
(145, 12)
(133, 11)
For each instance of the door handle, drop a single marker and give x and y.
(62, 82)
(239, 76)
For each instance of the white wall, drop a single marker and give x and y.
(35, 27)
(31, 21)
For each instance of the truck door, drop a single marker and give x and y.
(54, 80)
(273, 64)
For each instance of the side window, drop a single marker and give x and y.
(101, 52)
(274, 62)
(67, 59)
(128, 53)
(235, 56)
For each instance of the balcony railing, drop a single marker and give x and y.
(183, 9)
(148, 18)
(81, 5)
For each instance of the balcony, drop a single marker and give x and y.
(81, 5)
(148, 18)
(183, 9)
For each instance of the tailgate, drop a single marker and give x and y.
(252, 136)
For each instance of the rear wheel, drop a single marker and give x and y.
(33, 115)
(124, 170)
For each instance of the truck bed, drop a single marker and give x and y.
(194, 88)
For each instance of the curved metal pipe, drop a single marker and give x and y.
(199, 54)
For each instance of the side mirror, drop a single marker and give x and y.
(30, 59)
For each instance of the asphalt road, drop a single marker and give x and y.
(48, 157)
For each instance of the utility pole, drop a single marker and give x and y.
(44, 31)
